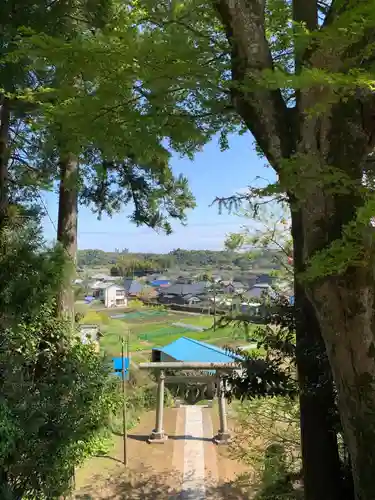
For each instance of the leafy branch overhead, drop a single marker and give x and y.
(156, 194)
(107, 125)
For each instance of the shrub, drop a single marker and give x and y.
(57, 394)
(136, 304)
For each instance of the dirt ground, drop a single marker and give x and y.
(155, 471)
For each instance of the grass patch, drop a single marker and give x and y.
(206, 321)
(167, 339)
(163, 332)
(156, 330)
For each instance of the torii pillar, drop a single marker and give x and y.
(223, 436)
(158, 435)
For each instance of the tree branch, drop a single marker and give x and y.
(263, 110)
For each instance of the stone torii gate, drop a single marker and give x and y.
(158, 435)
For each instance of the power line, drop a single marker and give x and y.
(147, 230)
(144, 230)
(46, 210)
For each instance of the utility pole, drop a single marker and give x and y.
(124, 405)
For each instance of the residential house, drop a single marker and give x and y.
(234, 287)
(184, 280)
(249, 280)
(257, 293)
(133, 287)
(149, 293)
(113, 296)
(184, 293)
(96, 287)
(252, 301)
(265, 278)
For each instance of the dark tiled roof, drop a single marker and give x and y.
(183, 289)
(132, 286)
(238, 284)
(254, 293)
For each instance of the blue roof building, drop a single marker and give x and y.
(190, 350)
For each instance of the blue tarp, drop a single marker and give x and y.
(160, 282)
(117, 366)
(117, 363)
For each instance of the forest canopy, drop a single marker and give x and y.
(180, 258)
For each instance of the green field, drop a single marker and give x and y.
(155, 328)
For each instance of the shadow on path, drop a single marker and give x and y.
(151, 486)
(144, 438)
(109, 458)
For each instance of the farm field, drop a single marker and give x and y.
(148, 328)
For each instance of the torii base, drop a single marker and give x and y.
(157, 437)
(222, 438)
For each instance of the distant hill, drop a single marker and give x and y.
(184, 259)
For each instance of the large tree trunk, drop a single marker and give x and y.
(320, 457)
(67, 230)
(343, 299)
(4, 158)
(319, 149)
(265, 114)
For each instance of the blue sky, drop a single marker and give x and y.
(212, 173)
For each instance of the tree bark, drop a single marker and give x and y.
(67, 230)
(275, 130)
(320, 455)
(4, 158)
(322, 474)
(328, 149)
(344, 301)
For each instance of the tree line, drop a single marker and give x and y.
(181, 259)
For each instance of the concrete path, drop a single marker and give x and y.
(194, 453)
(193, 487)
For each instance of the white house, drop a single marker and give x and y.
(113, 296)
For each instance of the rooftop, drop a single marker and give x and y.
(187, 289)
(133, 286)
(190, 350)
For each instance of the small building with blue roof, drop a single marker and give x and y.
(186, 349)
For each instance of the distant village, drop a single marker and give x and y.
(188, 292)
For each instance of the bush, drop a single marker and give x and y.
(57, 394)
(136, 304)
(268, 440)
(139, 400)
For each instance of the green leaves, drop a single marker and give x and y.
(121, 98)
(354, 249)
(56, 394)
